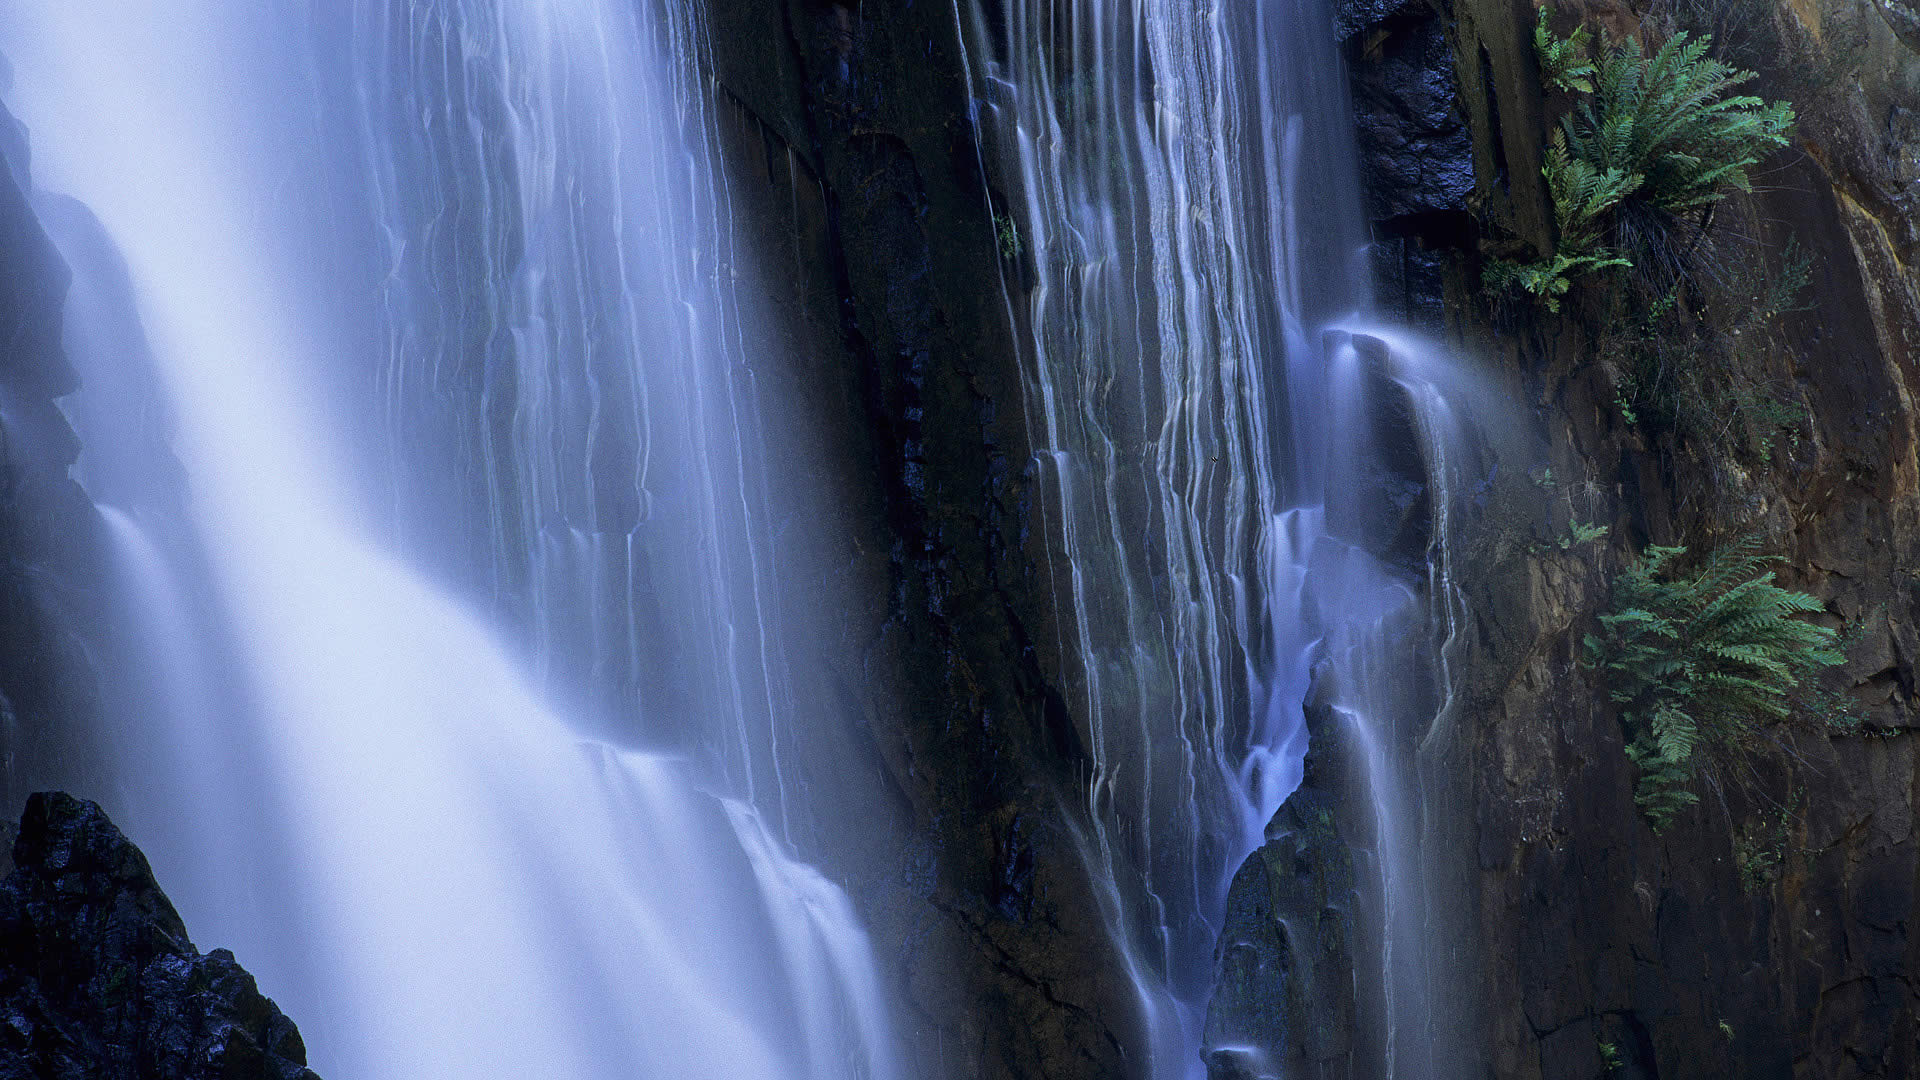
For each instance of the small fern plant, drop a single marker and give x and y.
(1669, 120)
(1566, 63)
(1698, 662)
(1662, 131)
(1583, 195)
(1548, 279)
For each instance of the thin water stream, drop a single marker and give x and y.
(1216, 479)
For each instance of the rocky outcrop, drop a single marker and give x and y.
(98, 979)
(1416, 150)
(1286, 1002)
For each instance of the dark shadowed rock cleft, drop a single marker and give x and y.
(98, 979)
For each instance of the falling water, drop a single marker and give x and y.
(1234, 541)
(439, 297)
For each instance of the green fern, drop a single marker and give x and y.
(1007, 232)
(1697, 662)
(1583, 193)
(1565, 63)
(1669, 120)
(1548, 279)
(1660, 130)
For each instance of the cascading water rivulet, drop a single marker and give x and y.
(1189, 227)
(495, 225)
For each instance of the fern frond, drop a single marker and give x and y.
(1666, 130)
(1698, 661)
(1565, 63)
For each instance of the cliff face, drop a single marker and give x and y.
(52, 568)
(1768, 932)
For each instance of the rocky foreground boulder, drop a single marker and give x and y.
(98, 980)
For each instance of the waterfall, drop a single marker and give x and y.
(460, 704)
(466, 557)
(1239, 531)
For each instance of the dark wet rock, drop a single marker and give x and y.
(1351, 17)
(1295, 997)
(1384, 506)
(1284, 1000)
(1416, 150)
(1414, 142)
(98, 979)
(1903, 16)
(32, 294)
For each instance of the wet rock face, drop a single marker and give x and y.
(1742, 941)
(1416, 151)
(98, 980)
(859, 176)
(50, 552)
(1903, 16)
(1283, 1002)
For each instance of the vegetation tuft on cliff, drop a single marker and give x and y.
(1700, 662)
(1653, 138)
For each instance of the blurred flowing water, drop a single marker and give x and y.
(459, 697)
(1237, 537)
(456, 699)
